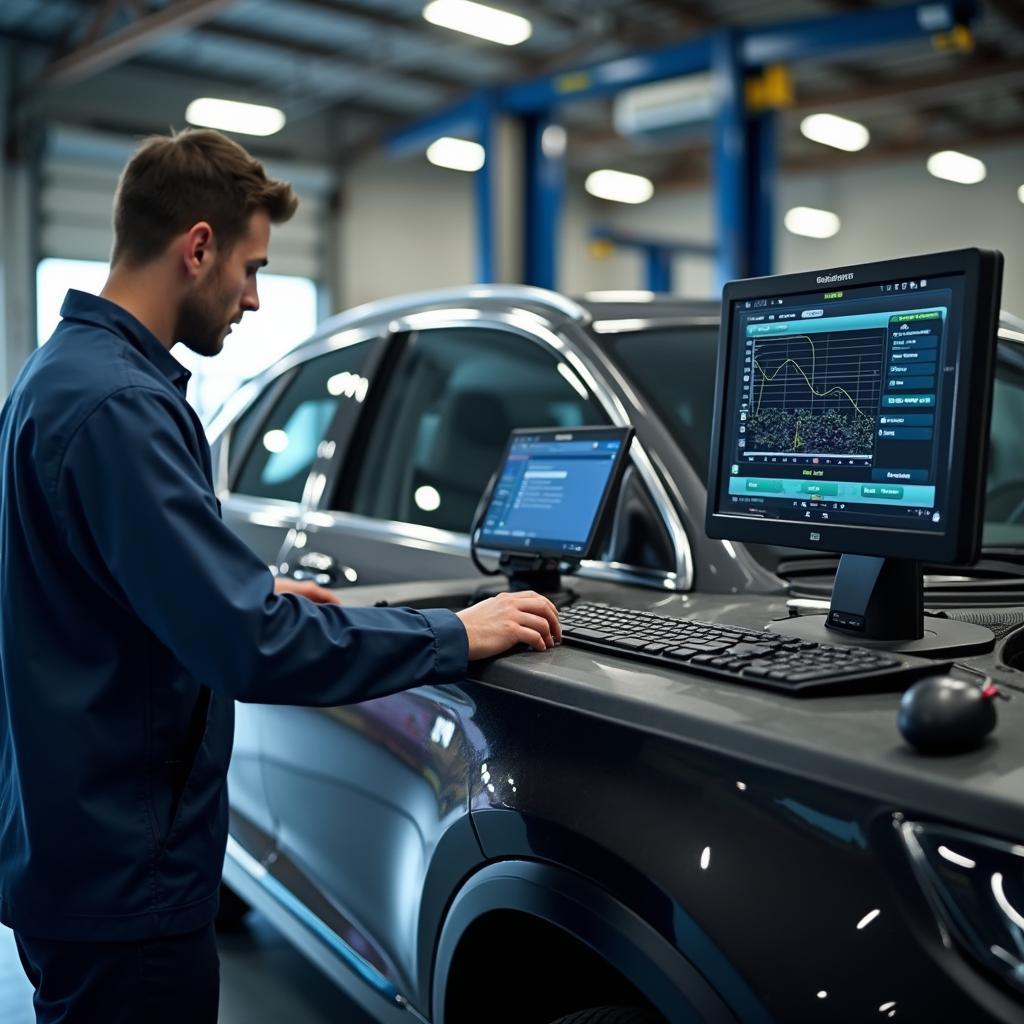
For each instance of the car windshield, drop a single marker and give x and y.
(673, 368)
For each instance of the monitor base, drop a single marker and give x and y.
(879, 603)
(943, 638)
(529, 572)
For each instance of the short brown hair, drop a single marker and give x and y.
(174, 181)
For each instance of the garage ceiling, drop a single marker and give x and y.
(347, 72)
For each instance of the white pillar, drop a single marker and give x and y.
(508, 198)
(18, 249)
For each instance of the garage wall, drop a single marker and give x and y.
(898, 209)
(683, 214)
(403, 227)
(886, 210)
(407, 225)
(79, 176)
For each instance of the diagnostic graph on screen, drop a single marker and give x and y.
(814, 394)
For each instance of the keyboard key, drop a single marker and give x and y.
(742, 650)
(629, 643)
(591, 634)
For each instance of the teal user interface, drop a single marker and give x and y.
(839, 398)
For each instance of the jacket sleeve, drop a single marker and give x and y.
(139, 515)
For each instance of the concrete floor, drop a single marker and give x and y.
(262, 978)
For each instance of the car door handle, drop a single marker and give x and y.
(323, 570)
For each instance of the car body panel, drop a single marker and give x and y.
(744, 834)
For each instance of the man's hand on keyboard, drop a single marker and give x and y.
(501, 622)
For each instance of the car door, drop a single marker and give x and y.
(402, 507)
(270, 452)
(277, 444)
(362, 795)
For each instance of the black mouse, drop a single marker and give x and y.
(943, 715)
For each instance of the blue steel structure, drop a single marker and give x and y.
(745, 162)
(657, 253)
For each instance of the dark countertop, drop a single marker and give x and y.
(851, 741)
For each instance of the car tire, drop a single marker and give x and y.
(231, 910)
(609, 1015)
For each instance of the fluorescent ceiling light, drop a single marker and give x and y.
(830, 130)
(479, 20)
(229, 116)
(619, 186)
(457, 154)
(1020, 193)
(806, 220)
(959, 167)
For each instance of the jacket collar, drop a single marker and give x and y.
(103, 313)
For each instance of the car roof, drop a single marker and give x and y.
(618, 311)
(624, 305)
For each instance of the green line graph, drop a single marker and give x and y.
(815, 395)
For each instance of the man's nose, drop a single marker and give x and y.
(251, 299)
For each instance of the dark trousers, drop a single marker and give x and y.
(170, 980)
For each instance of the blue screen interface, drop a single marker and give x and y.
(840, 405)
(549, 492)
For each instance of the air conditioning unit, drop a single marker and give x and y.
(665, 109)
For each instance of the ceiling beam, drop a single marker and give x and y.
(687, 18)
(102, 54)
(258, 93)
(968, 74)
(690, 15)
(297, 48)
(848, 5)
(1011, 10)
(509, 62)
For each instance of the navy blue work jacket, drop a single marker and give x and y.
(131, 618)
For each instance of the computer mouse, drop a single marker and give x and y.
(944, 715)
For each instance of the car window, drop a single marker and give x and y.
(1004, 491)
(674, 369)
(283, 447)
(243, 430)
(443, 424)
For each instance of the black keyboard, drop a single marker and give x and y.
(737, 655)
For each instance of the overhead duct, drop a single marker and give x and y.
(665, 109)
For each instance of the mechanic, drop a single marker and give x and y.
(132, 618)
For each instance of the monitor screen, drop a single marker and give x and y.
(551, 491)
(853, 407)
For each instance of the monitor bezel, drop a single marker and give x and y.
(624, 434)
(960, 542)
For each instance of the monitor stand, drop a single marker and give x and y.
(879, 603)
(532, 572)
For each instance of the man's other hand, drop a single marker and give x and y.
(500, 622)
(304, 588)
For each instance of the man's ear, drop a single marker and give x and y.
(198, 248)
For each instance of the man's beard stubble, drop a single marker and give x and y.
(201, 324)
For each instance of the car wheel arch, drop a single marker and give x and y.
(588, 914)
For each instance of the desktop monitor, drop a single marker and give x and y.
(549, 497)
(852, 415)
